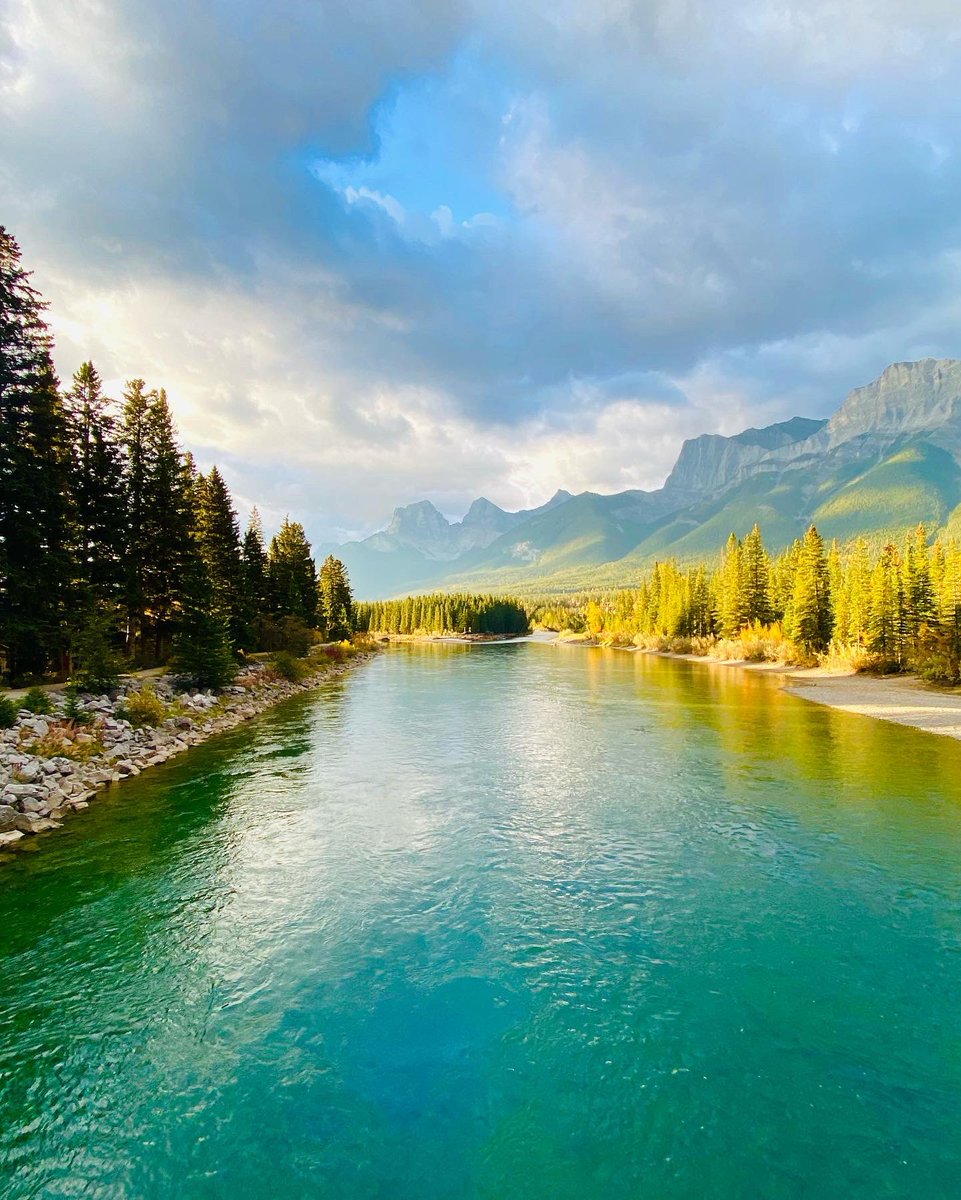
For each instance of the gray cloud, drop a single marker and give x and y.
(709, 214)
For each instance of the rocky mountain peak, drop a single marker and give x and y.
(906, 398)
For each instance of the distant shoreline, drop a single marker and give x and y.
(899, 699)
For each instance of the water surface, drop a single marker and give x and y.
(498, 921)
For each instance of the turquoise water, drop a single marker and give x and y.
(499, 921)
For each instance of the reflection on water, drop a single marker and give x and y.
(511, 920)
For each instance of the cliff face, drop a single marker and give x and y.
(905, 400)
(710, 462)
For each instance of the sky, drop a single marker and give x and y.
(382, 252)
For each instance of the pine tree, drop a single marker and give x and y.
(292, 574)
(218, 541)
(255, 602)
(167, 522)
(811, 615)
(335, 604)
(35, 559)
(732, 606)
(756, 579)
(97, 491)
(136, 455)
(858, 591)
(886, 621)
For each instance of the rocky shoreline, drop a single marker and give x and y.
(39, 789)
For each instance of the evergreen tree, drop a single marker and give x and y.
(255, 602)
(218, 540)
(97, 491)
(136, 457)
(731, 600)
(886, 620)
(201, 649)
(167, 523)
(919, 601)
(335, 604)
(756, 579)
(292, 574)
(810, 613)
(35, 560)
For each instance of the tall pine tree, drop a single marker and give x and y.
(35, 558)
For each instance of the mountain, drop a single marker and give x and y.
(890, 456)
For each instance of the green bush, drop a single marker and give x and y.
(202, 651)
(97, 665)
(143, 707)
(73, 710)
(8, 712)
(287, 667)
(292, 634)
(38, 702)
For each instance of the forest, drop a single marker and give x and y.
(115, 550)
(440, 612)
(895, 608)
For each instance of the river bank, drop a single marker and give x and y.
(52, 767)
(899, 699)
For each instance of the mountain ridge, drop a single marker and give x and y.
(888, 457)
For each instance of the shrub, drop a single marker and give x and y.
(335, 652)
(38, 702)
(60, 742)
(287, 667)
(292, 634)
(202, 651)
(8, 712)
(853, 657)
(97, 665)
(73, 710)
(143, 707)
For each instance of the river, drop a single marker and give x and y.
(498, 921)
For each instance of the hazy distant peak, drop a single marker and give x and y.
(482, 509)
(420, 517)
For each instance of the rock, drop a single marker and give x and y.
(8, 815)
(29, 770)
(10, 838)
(34, 823)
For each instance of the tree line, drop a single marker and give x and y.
(440, 612)
(895, 607)
(111, 539)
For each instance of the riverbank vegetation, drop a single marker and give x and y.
(897, 608)
(116, 551)
(440, 613)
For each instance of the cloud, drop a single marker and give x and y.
(380, 252)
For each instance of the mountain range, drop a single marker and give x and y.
(887, 459)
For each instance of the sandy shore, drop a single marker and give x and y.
(900, 699)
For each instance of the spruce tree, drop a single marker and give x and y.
(732, 606)
(886, 620)
(292, 574)
(756, 579)
(35, 558)
(218, 541)
(167, 522)
(134, 442)
(98, 492)
(255, 598)
(335, 603)
(811, 616)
